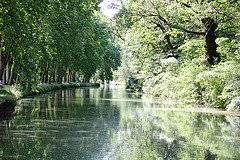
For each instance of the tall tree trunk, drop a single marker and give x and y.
(73, 75)
(63, 80)
(56, 75)
(49, 79)
(12, 76)
(46, 78)
(7, 73)
(211, 46)
(68, 75)
(45, 75)
(15, 78)
(2, 62)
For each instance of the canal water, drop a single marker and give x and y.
(110, 123)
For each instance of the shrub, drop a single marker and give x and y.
(15, 90)
(187, 88)
(234, 105)
(216, 81)
(163, 82)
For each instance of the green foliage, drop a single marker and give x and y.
(192, 48)
(15, 90)
(229, 49)
(6, 95)
(50, 39)
(235, 104)
(196, 83)
(215, 83)
(159, 30)
(178, 81)
(5, 92)
(187, 88)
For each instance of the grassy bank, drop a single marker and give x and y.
(16, 91)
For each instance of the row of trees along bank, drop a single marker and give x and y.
(185, 49)
(50, 40)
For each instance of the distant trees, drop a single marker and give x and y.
(47, 41)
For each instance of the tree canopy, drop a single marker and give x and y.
(170, 47)
(47, 41)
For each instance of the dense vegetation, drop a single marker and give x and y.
(54, 41)
(187, 49)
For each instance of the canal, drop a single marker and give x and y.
(110, 123)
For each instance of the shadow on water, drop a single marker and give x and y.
(110, 123)
(6, 110)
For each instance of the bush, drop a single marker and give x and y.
(234, 105)
(180, 82)
(187, 88)
(216, 81)
(194, 82)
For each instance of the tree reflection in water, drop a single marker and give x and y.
(109, 123)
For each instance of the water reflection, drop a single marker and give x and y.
(109, 123)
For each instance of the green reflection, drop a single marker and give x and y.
(109, 123)
(150, 133)
(66, 124)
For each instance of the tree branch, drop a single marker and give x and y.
(159, 25)
(186, 5)
(192, 32)
(118, 35)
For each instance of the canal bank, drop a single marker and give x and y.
(10, 94)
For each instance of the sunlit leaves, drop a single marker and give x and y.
(52, 36)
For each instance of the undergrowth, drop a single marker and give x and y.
(195, 82)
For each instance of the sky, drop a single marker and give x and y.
(108, 11)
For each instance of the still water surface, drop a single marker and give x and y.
(110, 123)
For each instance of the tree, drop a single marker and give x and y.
(46, 41)
(207, 18)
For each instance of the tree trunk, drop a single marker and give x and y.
(49, 79)
(63, 80)
(2, 62)
(46, 78)
(211, 46)
(45, 75)
(167, 38)
(56, 75)
(7, 73)
(15, 78)
(4, 77)
(68, 75)
(10, 79)
(73, 76)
